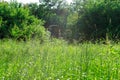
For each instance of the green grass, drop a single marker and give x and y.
(58, 61)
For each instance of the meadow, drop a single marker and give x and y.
(58, 60)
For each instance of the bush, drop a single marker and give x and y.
(98, 18)
(17, 23)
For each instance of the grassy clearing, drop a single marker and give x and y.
(58, 61)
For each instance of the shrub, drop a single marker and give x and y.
(98, 18)
(17, 23)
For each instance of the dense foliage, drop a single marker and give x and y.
(98, 18)
(16, 22)
(80, 20)
(53, 12)
(28, 59)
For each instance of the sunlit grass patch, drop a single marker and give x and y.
(58, 61)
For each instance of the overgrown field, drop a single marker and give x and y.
(58, 61)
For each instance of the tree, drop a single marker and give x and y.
(16, 22)
(53, 12)
(96, 18)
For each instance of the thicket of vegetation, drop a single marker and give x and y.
(17, 23)
(81, 20)
(98, 18)
(26, 55)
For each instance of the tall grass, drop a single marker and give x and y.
(58, 61)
